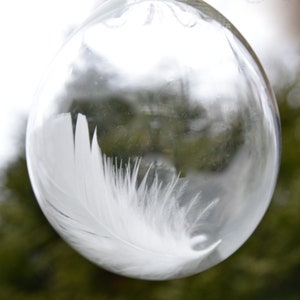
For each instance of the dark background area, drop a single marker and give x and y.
(35, 263)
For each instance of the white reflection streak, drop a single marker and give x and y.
(165, 43)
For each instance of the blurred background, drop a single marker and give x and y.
(36, 264)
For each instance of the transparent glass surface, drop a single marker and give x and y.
(153, 144)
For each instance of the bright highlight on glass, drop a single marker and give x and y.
(153, 144)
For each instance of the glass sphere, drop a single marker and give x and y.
(153, 144)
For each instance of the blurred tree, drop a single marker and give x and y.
(36, 264)
(160, 120)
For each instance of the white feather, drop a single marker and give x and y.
(135, 229)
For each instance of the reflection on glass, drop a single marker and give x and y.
(153, 146)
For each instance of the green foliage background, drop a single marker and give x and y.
(35, 263)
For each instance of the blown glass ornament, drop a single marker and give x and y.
(153, 143)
